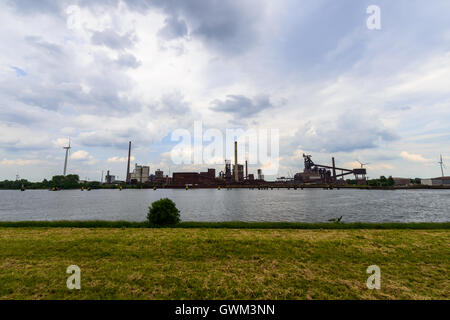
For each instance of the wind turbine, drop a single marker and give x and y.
(67, 155)
(362, 164)
(442, 166)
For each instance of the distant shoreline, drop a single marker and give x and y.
(253, 187)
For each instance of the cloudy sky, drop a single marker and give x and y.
(106, 72)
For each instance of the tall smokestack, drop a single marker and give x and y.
(127, 179)
(236, 176)
(246, 170)
(334, 169)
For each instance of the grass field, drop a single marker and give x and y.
(194, 263)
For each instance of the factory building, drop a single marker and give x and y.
(240, 173)
(235, 173)
(159, 174)
(441, 181)
(159, 177)
(402, 181)
(140, 174)
(227, 174)
(207, 178)
(260, 175)
(109, 178)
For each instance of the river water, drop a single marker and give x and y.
(308, 205)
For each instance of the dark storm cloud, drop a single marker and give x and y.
(44, 46)
(128, 61)
(241, 105)
(56, 83)
(33, 6)
(226, 26)
(174, 103)
(174, 28)
(108, 138)
(53, 95)
(113, 40)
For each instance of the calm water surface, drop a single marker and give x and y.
(308, 205)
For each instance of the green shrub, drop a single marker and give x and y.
(163, 213)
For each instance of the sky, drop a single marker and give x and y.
(107, 72)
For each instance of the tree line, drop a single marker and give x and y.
(70, 181)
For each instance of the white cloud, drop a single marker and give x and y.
(84, 157)
(120, 159)
(22, 162)
(414, 157)
(81, 155)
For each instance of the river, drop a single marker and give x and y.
(308, 205)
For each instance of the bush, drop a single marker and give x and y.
(163, 213)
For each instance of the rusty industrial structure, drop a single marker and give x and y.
(318, 173)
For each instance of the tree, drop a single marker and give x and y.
(65, 182)
(390, 181)
(163, 213)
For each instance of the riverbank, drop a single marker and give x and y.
(228, 225)
(206, 263)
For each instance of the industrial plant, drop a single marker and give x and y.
(237, 175)
(319, 173)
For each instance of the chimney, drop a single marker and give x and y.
(236, 176)
(246, 170)
(127, 179)
(334, 169)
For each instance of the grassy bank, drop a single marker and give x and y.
(226, 225)
(206, 263)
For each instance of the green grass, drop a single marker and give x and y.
(226, 225)
(211, 263)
